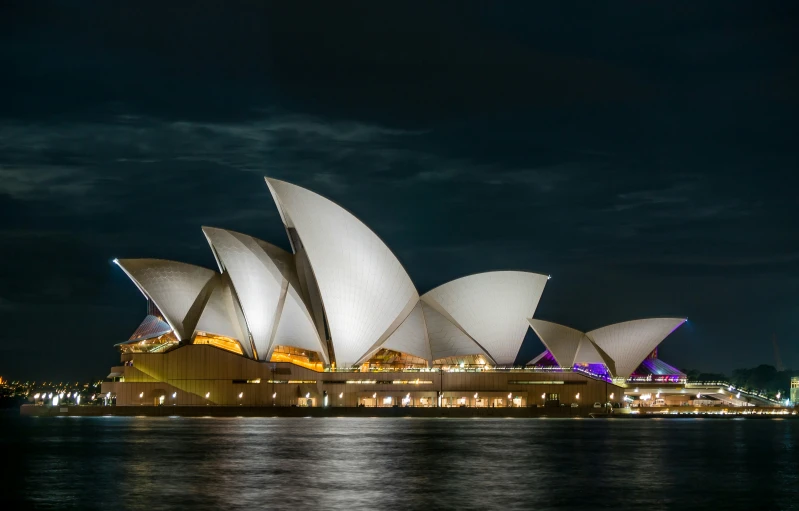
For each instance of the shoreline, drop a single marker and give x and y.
(363, 412)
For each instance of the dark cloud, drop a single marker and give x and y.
(642, 154)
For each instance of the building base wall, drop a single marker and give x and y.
(201, 375)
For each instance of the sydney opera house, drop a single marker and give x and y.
(338, 322)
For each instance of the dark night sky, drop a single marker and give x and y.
(642, 153)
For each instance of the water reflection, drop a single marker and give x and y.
(245, 463)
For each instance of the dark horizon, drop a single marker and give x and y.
(643, 155)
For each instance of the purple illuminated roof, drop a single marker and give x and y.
(152, 326)
(656, 367)
(652, 366)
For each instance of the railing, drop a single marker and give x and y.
(474, 369)
(731, 388)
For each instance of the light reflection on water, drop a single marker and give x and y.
(285, 463)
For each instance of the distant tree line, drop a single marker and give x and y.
(764, 378)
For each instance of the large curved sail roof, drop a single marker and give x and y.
(222, 316)
(263, 276)
(562, 341)
(492, 308)
(629, 343)
(179, 290)
(411, 336)
(448, 340)
(365, 291)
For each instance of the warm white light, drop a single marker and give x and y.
(543, 396)
(274, 395)
(510, 395)
(325, 400)
(36, 396)
(55, 401)
(69, 394)
(207, 395)
(475, 395)
(108, 395)
(77, 400)
(778, 395)
(174, 395)
(61, 395)
(461, 364)
(657, 395)
(241, 395)
(374, 396)
(698, 395)
(308, 395)
(51, 395)
(341, 395)
(738, 395)
(611, 395)
(577, 396)
(141, 395)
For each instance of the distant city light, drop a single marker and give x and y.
(55, 401)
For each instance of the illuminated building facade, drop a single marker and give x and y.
(338, 318)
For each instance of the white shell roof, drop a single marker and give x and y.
(296, 328)
(560, 340)
(179, 290)
(446, 339)
(630, 342)
(588, 353)
(256, 278)
(266, 285)
(365, 290)
(220, 317)
(411, 336)
(492, 308)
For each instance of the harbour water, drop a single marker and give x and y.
(369, 463)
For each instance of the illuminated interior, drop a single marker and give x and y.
(221, 342)
(301, 357)
(160, 344)
(393, 359)
(465, 361)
